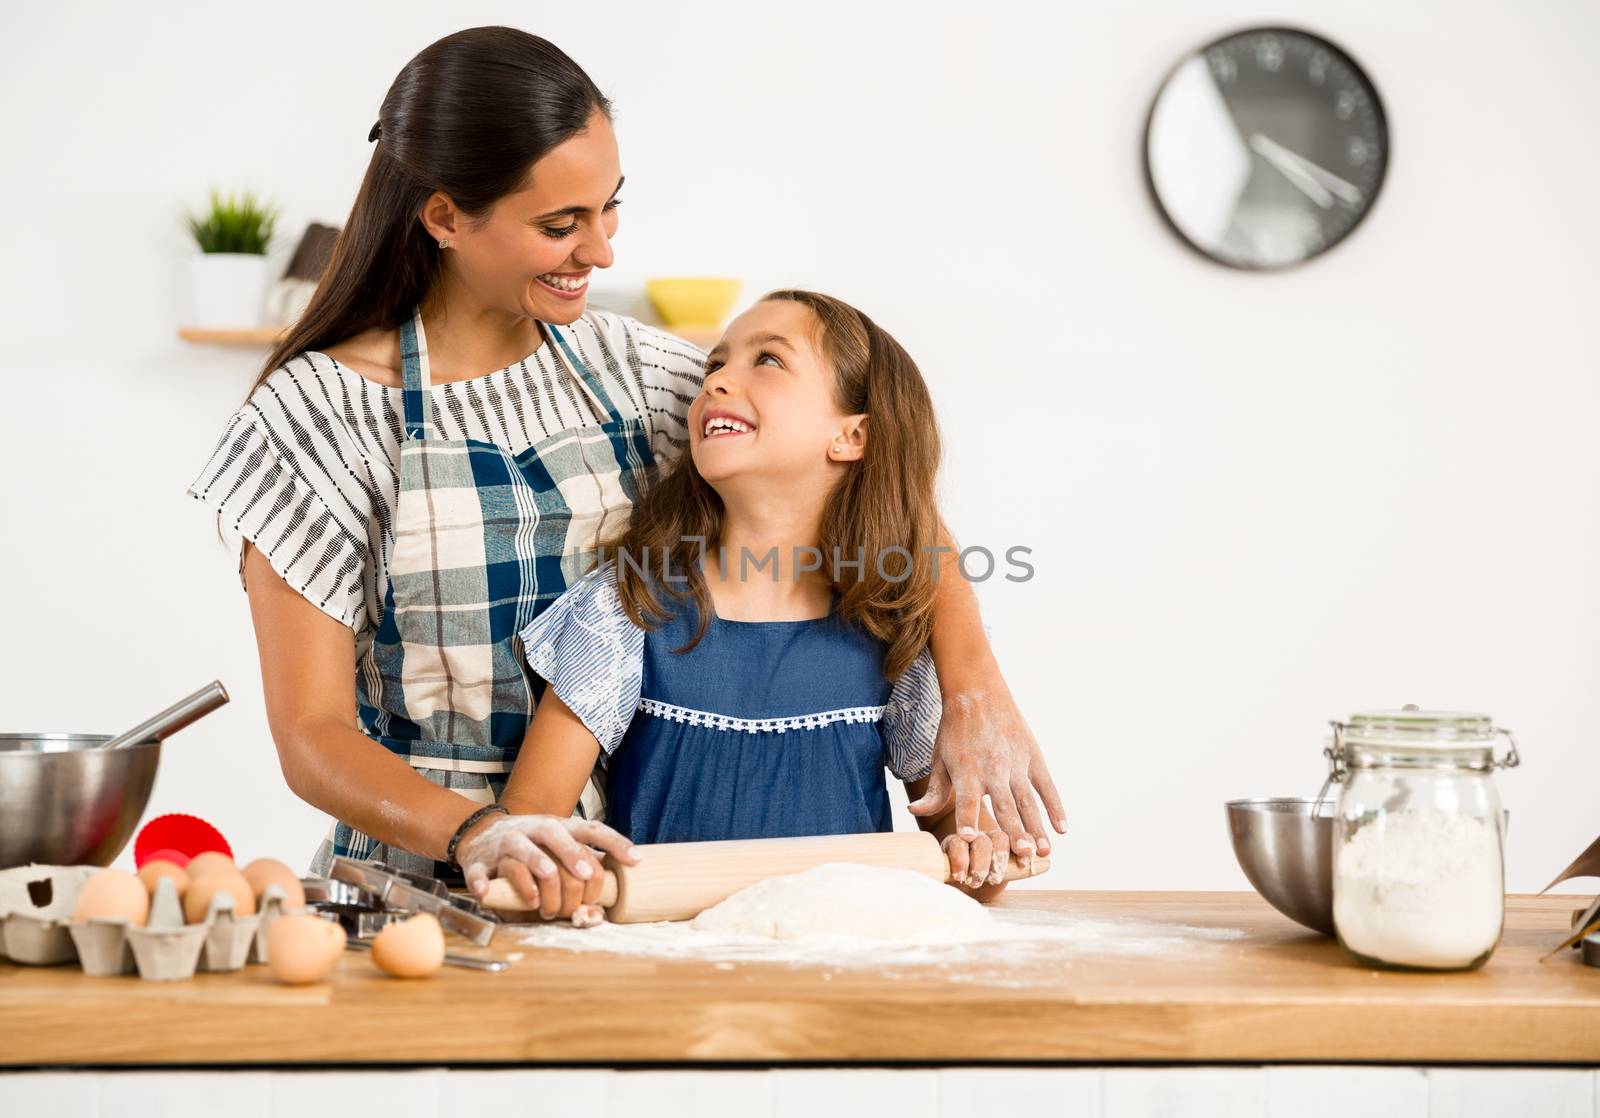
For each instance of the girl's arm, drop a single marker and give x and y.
(975, 863)
(558, 753)
(983, 745)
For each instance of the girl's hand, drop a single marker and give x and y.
(978, 864)
(548, 859)
(985, 746)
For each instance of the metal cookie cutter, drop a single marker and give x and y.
(410, 892)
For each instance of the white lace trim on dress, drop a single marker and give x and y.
(760, 725)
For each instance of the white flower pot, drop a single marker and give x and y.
(228, 290)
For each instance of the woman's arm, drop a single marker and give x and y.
(308, 673)
(977, 864)
(983, 745)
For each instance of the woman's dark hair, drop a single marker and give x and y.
(470, 115)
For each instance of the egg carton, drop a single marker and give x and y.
(165, 949)
(35, 905)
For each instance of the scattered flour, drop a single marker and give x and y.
(1421, 889)
(996, 949)
(863, 902)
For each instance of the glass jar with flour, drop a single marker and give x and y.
(1418, 841)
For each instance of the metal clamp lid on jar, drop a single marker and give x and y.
(1435, 738)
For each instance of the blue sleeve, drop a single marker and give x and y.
(911, 721)
(586, 648)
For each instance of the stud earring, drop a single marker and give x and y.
(444, 242)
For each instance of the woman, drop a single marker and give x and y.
(404, 513)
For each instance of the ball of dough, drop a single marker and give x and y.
(197, 901)
(113, 894)
(864, 902)
(413, 948)
(267, 871)
(303, 948)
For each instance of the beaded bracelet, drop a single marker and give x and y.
(466, 825)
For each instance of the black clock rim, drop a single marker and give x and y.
(1378, 108)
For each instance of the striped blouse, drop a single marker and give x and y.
(308, 469)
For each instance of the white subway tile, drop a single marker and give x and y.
(1191, 1092)
(1338, 1092)
(185, 1094)
(70, 1094)
(546, 1092)
(398, 1093)
(1511, 1093)
(854, 1093)
(690, 1094)
(1034, 1092)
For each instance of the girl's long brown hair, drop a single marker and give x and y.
(469, 115)
(885, 500)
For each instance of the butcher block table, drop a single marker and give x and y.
(1275, 994)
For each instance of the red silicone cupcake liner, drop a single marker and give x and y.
(187, 834)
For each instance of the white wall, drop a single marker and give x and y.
(1255, 502)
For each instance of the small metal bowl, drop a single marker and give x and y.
(1285, 847)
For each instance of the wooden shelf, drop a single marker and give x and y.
(703, 336)
(255, 336)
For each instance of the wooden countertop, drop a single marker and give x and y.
(1276, 993)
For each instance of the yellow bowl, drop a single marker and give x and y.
(692, 303)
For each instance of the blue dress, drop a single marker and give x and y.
(764, 729)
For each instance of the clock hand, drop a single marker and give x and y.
(1345, 191)
(1291, 170)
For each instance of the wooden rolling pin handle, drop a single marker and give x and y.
(503, 895)
(1015, 870)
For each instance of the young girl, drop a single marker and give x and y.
(755, 650)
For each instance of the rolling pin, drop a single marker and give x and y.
(680, 880)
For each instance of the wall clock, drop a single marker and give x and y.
(1266, 147)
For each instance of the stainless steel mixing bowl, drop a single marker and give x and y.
(65, 803)
(1285, 847)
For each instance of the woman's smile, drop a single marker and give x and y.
(567, 285)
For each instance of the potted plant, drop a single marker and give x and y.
(229, 278)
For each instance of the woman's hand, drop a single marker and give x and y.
(985, 746)
(550, 861)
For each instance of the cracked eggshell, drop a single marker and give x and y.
(413, 948)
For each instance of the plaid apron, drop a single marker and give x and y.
(484, 541)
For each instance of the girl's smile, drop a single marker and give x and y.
(719, 423)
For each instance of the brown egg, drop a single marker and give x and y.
(152, 872)
(266, 871)
(201, 889)
(209, 862)
(114, 894)
(413, 948)
(303, 948)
